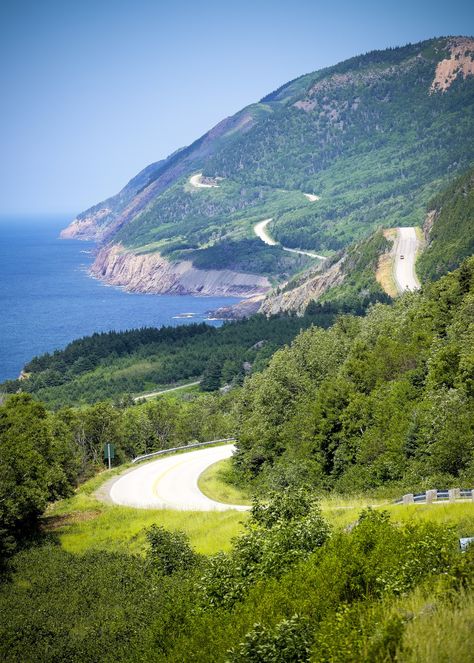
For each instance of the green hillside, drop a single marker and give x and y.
(382, 400)
(117, 364)
(451, 237)
(373, 137)
(356, 414)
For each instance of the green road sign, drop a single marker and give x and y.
(109, 451)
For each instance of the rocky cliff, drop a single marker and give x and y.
(153, 274)
(298, 298)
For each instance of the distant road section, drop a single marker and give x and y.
(195, 181)
(406, 247)
(152, 394)
(172, 482)
(260, 229)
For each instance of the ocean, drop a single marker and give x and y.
(47, 299)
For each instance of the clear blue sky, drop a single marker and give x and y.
(92, 91)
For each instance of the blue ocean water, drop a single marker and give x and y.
(47, 299)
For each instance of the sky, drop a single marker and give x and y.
(93, 91)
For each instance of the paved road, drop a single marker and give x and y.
(406, 245)
(195, 181)
(152, 394)
(260, 229)
(172, 482)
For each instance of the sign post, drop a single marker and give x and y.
(109, 454)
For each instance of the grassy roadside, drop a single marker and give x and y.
(213, 484)
(342, 512)
(83, 522)
(385, 274)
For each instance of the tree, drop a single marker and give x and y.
(211, 379)
(30, 473)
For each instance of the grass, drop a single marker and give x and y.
(341, 512)
(384, 273)
(438, 631)
(83, 522)
(120, 528)
(213, 484)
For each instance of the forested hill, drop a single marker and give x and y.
(384, 399)
(449, 229)
(374, 137)
(117, 364)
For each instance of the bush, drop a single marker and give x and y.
(289, 642)
(169, 551)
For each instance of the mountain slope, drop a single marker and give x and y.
(384, 398)
(373, 138)
(449, 229)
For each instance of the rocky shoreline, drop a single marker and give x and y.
(151, 273)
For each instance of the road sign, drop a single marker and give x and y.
(109, 453)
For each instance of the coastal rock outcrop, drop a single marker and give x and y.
(298, 298)
(151, 273)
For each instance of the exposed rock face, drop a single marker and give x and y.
(153, 274)
(243, 309)
(460, 62)
(88, 228)
(429, 222)
(298, 299)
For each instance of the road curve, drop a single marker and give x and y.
(172, 483)
(195, 181)
(406, 247)
(260, 229)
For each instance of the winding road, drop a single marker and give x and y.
(260, 229)
(405, 250)
(195, 181)
(171, 483)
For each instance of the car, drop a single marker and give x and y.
(401, 257)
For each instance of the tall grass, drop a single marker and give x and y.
(213, 484)
(439, 631)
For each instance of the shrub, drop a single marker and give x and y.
(169, 551)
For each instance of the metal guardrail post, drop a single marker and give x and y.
(454, 494)
(435, 495)
(431, 496)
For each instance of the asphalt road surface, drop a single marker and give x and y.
(260, 229)
(172, 482)
(405, 255)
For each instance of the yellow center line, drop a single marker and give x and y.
(154, 487)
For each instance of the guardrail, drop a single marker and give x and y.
(435, 495)
(138, 459)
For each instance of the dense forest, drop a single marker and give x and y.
(451, 235)
(372, 401)
(381, 402)
(357, 401)
(117, 364)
